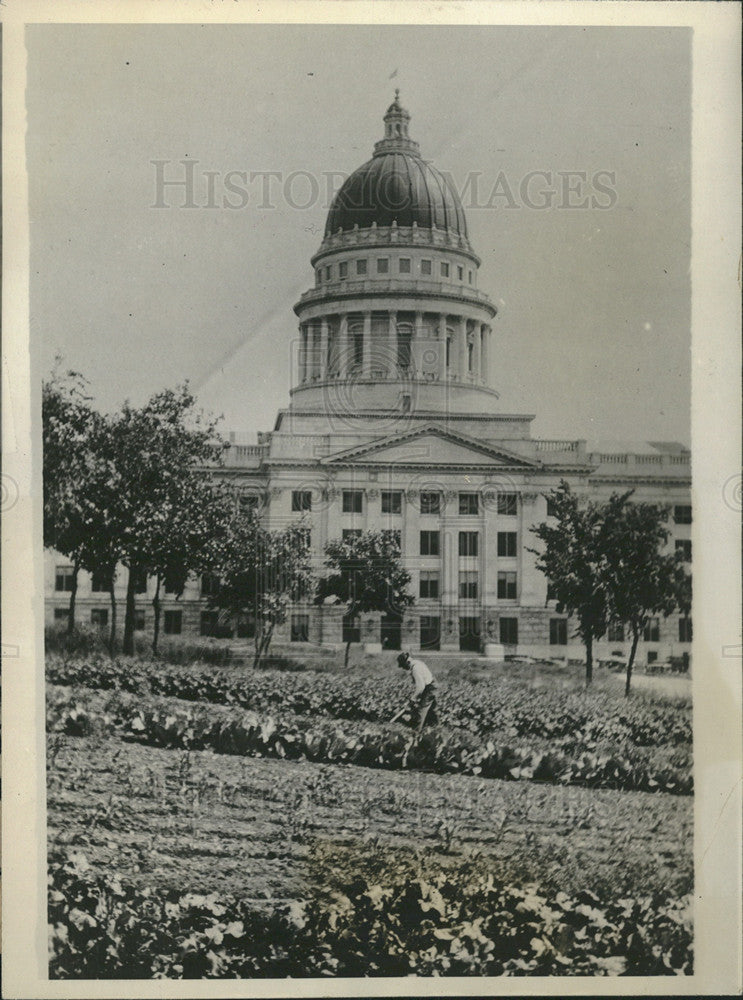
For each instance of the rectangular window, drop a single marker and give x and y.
(508, 503)
(391, 501)
(209, 623)
(460, 272)
(61, 614)
(405, 265)
(429, 584)
(139, 619)
(615, 633)
(352, 501)
(509, 631)
(63, 576)
(469, 634)
(652, 656)
(301, 500)
(361, 266)
(425, 267)
(140, 581)
(392, 535)
(469, 276)
(468, 503)
(429, 543)
(100, 581)
(507, 586)
(468, 585)
(430, 632)
(682, 513)
(343, 269)
(468, 543)
(209, 584)
(383, 265)
(551, 592)
(328, 272)
(172, 622)
(347, 534)
(351, 629)
(246, 627)
(99, 617)
(430, 501)
(444, 269)
(683, 547)
(300, 628)
(558, 632)
(551, 507)
(507, 543)
(684, 629)
(652, 631)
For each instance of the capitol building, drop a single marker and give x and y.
(394, 424)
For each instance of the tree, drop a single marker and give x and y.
(367, 576)
(571, 559)
(261, 573)
(641, 581)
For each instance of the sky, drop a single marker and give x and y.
(592, 288)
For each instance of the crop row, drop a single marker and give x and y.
(446, 922)
(483, 707)
(363, 744)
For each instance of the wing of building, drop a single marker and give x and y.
(394, 424)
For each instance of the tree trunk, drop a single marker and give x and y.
(156, 606)
(112, 632)
(631, 660)
(73, 595)
(128, 644)
(589, 659)
(348, 648)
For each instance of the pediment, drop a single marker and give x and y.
(429, 446)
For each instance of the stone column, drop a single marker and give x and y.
(366, 364)
(323, 360)
(476, 352)
(392, 345)
(462, 348)
(343, 365)
(442, 347)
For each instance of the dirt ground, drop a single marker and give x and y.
(205, 822)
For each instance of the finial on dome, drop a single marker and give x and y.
(397, 93)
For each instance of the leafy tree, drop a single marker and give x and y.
(367, 576)
(571, 558)
(641, 581)
(261, 574)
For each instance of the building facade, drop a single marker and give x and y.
(393, 424)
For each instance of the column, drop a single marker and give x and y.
(344, 360)
(462, 348)
(476, 352)
(323, 360)
(367, 360)
(485, 353)
(392, 345)
(442, 347)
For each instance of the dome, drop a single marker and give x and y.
(396, 186)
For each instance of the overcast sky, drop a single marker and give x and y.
(593, 329)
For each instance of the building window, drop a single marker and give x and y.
(348, 534)
(405, 265)
(469, 276)
(343, 270)
(468, 585)
(507, 503)
(140, 581)
(100, 581)
(468, 543)
(507, 586)
(682, 513)
(63, 577)
(172, 622)
(352, 501)
(429, 543)
(383, 265)
(209, 584)
(139, 619)
(301, 500)
(61, 614)
(551, 507)
(652, 656)
(430, 502)
(558, 632)
(652, 631)
(351, 629)
(468, 503)
(209, 623)
(444, 269)
(683, 547)
(391, 501)
(328, 272)
(300, 628)
(460, 272)
(361, 266)
(245, 627)
(392, 535)
(469, 634)
(425, 267)
(430, 632)
(508, 629)
(99, 617)
(429, 584)
(615, 633)
(507, 543)
(684, 629)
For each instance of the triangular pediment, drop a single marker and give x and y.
(428, 446)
